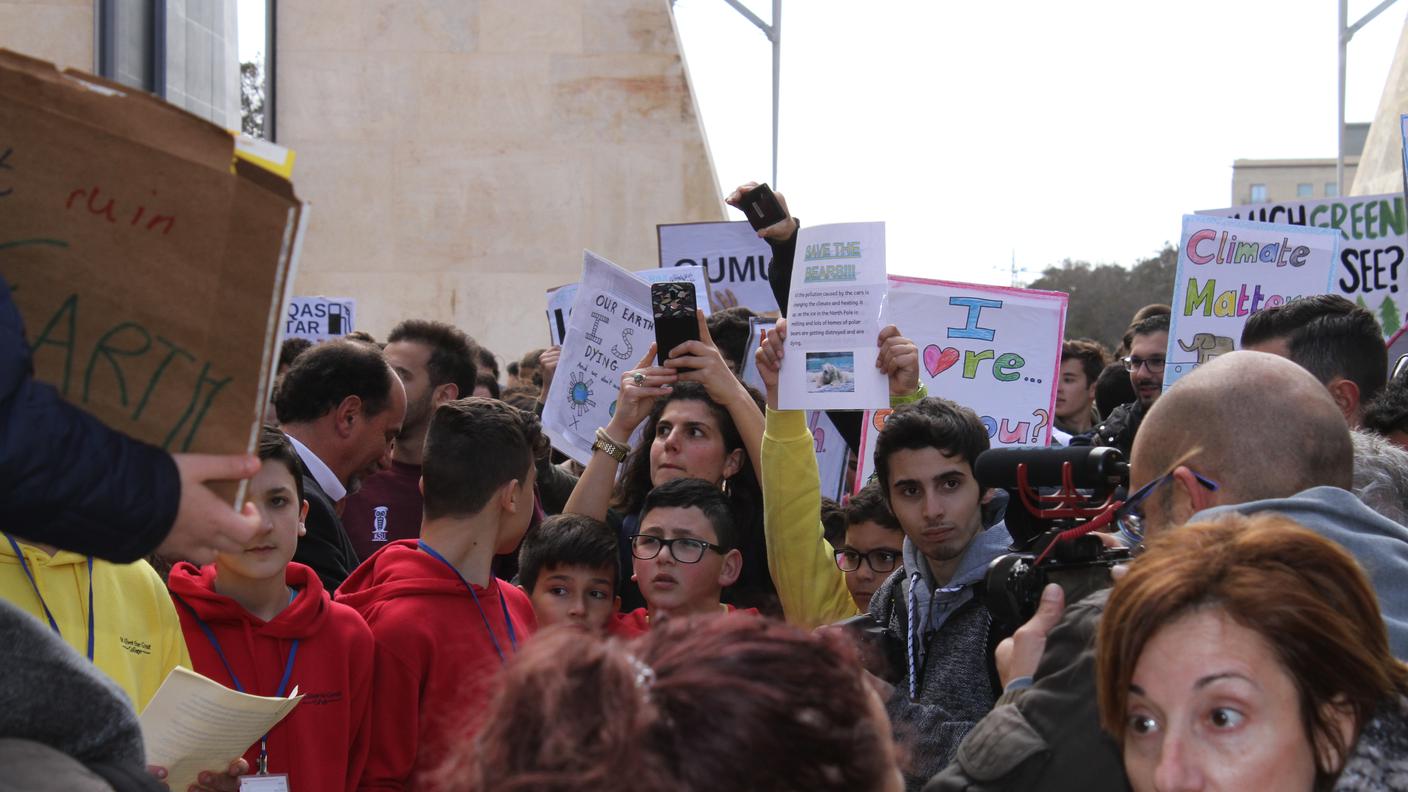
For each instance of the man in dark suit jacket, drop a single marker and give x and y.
(341, 405)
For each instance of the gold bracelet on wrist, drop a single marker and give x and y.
(605, 444)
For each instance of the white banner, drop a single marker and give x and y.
(610, 328)
(833, 318)
(1228, 270)
(735, 260)
(1373, 233)
(995, 350)
(560, 297)
(320, 318)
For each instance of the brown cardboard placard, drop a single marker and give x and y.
(150, 270)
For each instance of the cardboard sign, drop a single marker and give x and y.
(320, 318)
(735, 260)
(992, 349)
(150, 265)
(560, 297)
(1230, 269)
(1373, 229)
(610, 328)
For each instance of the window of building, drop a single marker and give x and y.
(1305, 190)
(1332, 190)
(1258, 193)
(184, 51)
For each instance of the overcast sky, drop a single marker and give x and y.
(1079, 130)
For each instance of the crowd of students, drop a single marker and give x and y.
(463, 609)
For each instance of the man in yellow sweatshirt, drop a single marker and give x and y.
(117, 615)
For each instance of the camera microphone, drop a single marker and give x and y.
(1101, 468)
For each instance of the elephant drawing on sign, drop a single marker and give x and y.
(1208, 346)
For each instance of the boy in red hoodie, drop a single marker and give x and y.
(444, 625)
(685, 555)
(257, 622)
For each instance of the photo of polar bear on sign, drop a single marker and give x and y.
(831, 372)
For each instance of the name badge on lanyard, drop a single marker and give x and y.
(277, 782)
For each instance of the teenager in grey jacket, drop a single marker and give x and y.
(930, 609)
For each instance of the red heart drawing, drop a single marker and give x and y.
(938, 360)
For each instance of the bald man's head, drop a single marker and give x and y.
(1259, 425)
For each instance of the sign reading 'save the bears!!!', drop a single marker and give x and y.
(1373, 231)
(1230, 269)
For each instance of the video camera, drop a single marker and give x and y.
(1058, 498)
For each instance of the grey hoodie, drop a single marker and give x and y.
(1379, 544)
(952, 637)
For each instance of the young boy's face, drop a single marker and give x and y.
(274, 492)
(674, 587)
(575, 595)
(883, 546)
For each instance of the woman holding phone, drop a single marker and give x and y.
(699, 421)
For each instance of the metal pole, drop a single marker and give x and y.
(1343, 42)
(776, 36)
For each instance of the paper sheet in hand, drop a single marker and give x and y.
(833, 320)
(194, 724)
(610, 329)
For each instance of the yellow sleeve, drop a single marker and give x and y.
(812, 589)
(173, 639)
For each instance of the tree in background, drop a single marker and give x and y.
(1105, 296)
(252, 97)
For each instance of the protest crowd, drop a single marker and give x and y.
(463, 604)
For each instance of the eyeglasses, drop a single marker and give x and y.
(1154, 364)
(1131, 514)
(879, 560)
(685, 551)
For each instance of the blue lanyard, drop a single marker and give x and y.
(219, 652)
(262, 764)
(53, 624)
(508, 620)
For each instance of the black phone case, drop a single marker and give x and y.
(675, 320)
(761, 207)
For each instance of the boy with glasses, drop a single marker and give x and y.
(871, 549)
(685, 555)
(1145, 364)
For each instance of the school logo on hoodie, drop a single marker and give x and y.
(379, 524)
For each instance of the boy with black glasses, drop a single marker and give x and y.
(1147, 357)
(685, 555)
(872, 546)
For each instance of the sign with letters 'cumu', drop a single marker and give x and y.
(1230, 269)
(150, 264)
(1373, 229)
(735, 261)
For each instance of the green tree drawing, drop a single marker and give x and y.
(1389, 316)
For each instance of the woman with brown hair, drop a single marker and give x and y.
(1249, 653)
(730, 702)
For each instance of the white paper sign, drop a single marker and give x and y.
(610, 328)
(735, 260)
(831, 448)
(1230, 269)
(1373, 240)
(560, 298)
(320, 318)
(992, 349)
(833, 318)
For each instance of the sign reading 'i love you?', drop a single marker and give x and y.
(995, 350)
